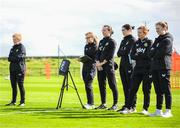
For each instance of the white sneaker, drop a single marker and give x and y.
(122, 109)
(89, 106)
(133, 110)
(21, 105)
(125, 111)
(145, 112)
(158, 112)
(167, 114)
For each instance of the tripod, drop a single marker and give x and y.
(65, 84)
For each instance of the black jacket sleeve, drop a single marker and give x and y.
(97, 56)
(110, 50)
(91, 52)
(133, 54)
(146, 54)
(11, 56)
(152, 50)
(164, 48)
(19, 56)
(94, 52)
(120, 50)
(125, 50)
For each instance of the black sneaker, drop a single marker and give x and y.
(114, 108)
(11, 104)
(102, 106)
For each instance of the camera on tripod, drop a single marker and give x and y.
(64, 67)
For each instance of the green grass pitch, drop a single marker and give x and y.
(42, 96)
(41, 101)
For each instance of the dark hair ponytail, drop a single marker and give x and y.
(128, 27)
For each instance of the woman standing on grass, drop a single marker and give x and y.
(161, 52)
(17, 69)
(126, 66)
(105, 67)
(141, 72)
(89, 68)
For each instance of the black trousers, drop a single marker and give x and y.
(161, 80)
(17, 78)
(126, 74)
(109, 73)
(88, 76)
(146, 78)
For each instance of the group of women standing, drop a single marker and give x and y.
(141, 61)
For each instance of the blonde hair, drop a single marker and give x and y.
(18, 36)
(163, 24)
(144, 29)
(91, 34)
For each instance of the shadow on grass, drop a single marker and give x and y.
(67, 113)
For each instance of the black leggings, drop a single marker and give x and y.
(161, 80)
(88, 76)
(17, 78)
(108, 72)
(125, 74)
(146, 79)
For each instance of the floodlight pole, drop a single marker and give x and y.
(58, 56)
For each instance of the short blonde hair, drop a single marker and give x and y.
(144, 29)
(17, 36)
(91, 34)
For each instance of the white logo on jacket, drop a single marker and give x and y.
(107, 44)
(163, 75)
(142, 50)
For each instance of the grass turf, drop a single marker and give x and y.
(41, 101)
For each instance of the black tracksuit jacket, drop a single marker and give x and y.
(17, 58)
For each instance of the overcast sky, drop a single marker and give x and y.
(45, 24)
